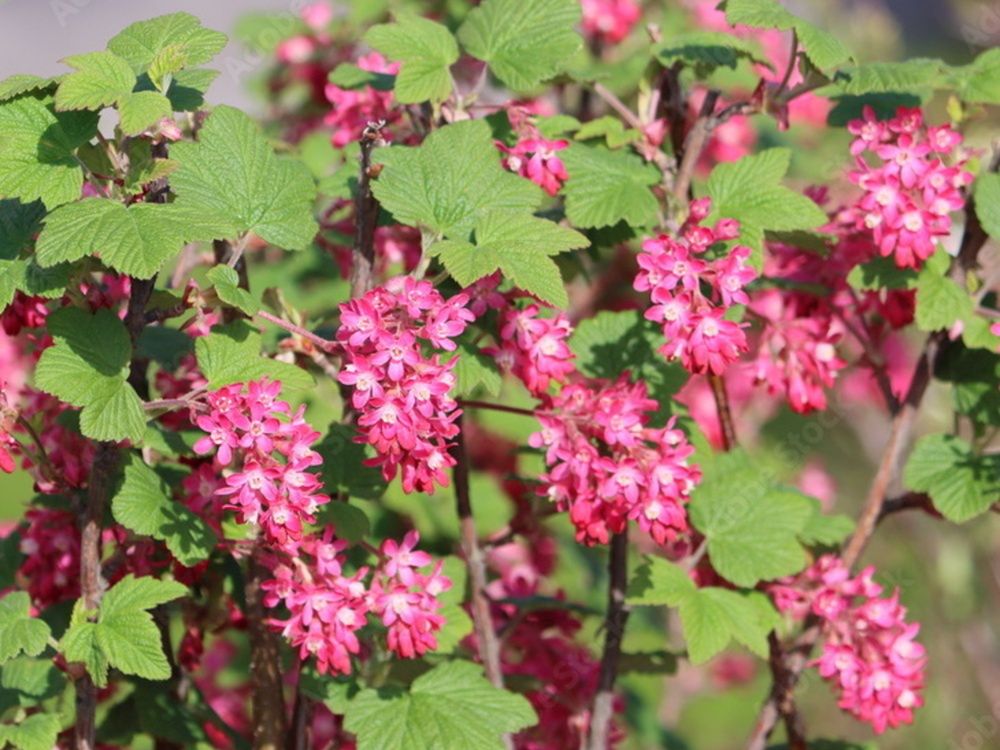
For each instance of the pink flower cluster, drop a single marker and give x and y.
(674, 269)
(328, 608)
(405, 410)
(869, 650)
(353, 109)
(606, 465)
(609, 21)
(266, 449)
(796, 354)
(50, 544)
(533, 156)
(909, 197)
(533, 348)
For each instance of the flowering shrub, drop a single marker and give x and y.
(521, 369)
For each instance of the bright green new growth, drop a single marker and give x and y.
(88, 368)
(123, 635)
(426, 49)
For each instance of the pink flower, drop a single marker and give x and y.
(535, 158)
(535, 349)
(607, 465)
(609, 20)
(869, 653)
(909, 196)
(672, 270)
(403, 396)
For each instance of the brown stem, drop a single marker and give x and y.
(694, 144)
(496, 407)
(92, 583)
(297, 330)
(267, 701)
(366, 216)
(614, 631)
(482, 618)
(724, 411)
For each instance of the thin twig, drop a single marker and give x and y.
(482, 618)
(694, 144)
(614, 632)
(724, 411)
(496, 407)
(324, 344)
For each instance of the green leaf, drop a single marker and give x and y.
(343, 468)
(979, 81)
(426, 50)
(21, 83)
(940, 301)
(825, 531)
(974, 374)
(87, 368)
(143, 505)
(36, 732)
(231, 354)
(28, 277)
(918, 76)
(451, 706)
(750, 191)
(962, 485)
(450, 180)
(226, 282)
(19, 631)
(124, 636)
(28, 682)
(136, 239)
(349, 76)
(142, 110)
(233, 179)
(19, 222)
(334, 692)
(605, 187)
(751, 525)
(987, 202)
(611, 343)
(142, 42)
(100, 79)
(524, 43)
(475, 370)
(187, 91)
(881, 273)
(823, 49)
(37, 146)
(610, 129)
(170, 60)
(711, 617)
(349, 522)
(518, 244)
(708, 50)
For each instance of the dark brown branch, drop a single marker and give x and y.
(366, 216)
(267, 700)
(694, 144)
(614, 632)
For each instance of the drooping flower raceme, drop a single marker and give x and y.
(265, 450)
(328, 607)
(352, 109)
(606, 465)
(910, 194)
(869, 654)
(405, 410)
(675, 270)
(533, 156)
